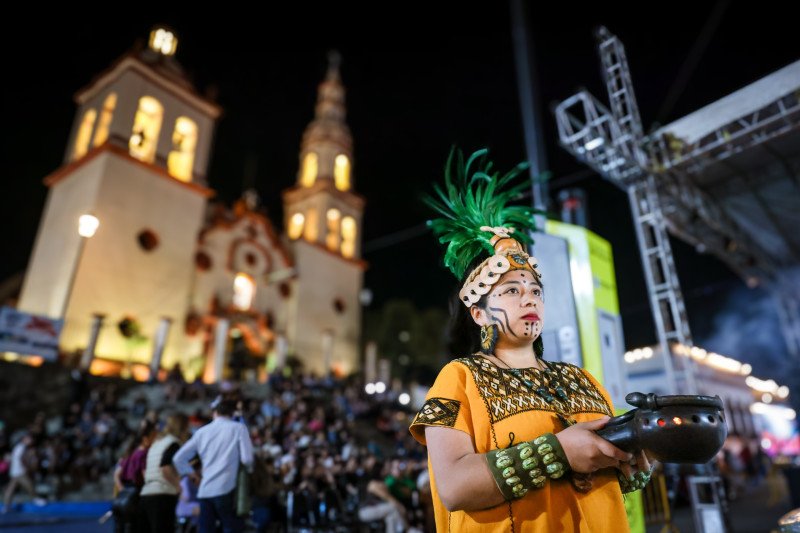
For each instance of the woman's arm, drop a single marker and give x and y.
(118, 478)
(465, 482)
(171, 476)
(462, 476)
(184, 494)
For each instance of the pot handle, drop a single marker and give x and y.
(619, 432)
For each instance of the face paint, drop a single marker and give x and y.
(516, 307)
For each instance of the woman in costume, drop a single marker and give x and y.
(511, 436)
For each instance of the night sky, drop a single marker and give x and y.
(417, 82)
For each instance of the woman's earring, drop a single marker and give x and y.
(488, 339)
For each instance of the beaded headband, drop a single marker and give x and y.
(509, 255)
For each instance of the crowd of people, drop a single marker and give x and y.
(323, 455)
(57, 455)
(317, 452)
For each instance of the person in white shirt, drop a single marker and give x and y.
(222, 446)
(19, 474)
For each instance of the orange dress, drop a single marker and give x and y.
(495, 409)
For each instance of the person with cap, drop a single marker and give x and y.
(222, 446)
(510, 435)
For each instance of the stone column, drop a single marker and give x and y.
(281, 350)
(371, 362)
(327, 352)
(94, 333)
(159, 343)
(385, 372)
(220, 349)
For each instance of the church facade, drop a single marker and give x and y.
(220, 287)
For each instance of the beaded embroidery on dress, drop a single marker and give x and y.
(507, 395)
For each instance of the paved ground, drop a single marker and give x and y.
(30, 522)
(67, 516)
(755, 511)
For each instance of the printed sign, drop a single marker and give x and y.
(27, 334)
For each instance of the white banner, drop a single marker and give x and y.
(28, 334)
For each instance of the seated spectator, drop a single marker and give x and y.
(400, 485)
(379, 504)
(139, 406)
(264, 487)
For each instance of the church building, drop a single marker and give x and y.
(167, 274)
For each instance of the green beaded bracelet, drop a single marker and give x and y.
(520, 468)
(637, 482)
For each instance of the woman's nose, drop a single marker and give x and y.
(528, 300)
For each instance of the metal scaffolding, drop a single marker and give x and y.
(730, 173)
(724, 179)
(611, 142)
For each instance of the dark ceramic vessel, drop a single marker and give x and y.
(671, 429)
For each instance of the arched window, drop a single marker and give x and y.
(296, 226)
(312, 225)
(244, 291)
(101, 134)
(348, 236)
(310, 168)
(332, 239)
(184, 140)
(85, 133)
(146, 127)
(341, 172)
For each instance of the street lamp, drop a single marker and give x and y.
(87, 226)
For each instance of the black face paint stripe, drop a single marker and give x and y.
(505, 316)
(497, 321)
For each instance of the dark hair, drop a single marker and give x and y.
(225, 407)
(146, 429)
(177, 425)
(463, 335)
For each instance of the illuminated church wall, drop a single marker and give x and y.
(326, 303)
(136, 159)
(243, 247)
(116, 275)
(57, 241)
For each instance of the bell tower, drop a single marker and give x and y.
(323, 217)
(136, 160)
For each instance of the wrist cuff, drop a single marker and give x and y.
(527, 466)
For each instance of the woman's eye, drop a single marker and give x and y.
(537, 292)
(512, 290)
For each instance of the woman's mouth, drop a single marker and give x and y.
(531, 317)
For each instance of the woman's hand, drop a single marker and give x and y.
(586, 451)
(640, 463)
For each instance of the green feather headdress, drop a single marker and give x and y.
(475, 196)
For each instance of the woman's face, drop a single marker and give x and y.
(514, 306)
